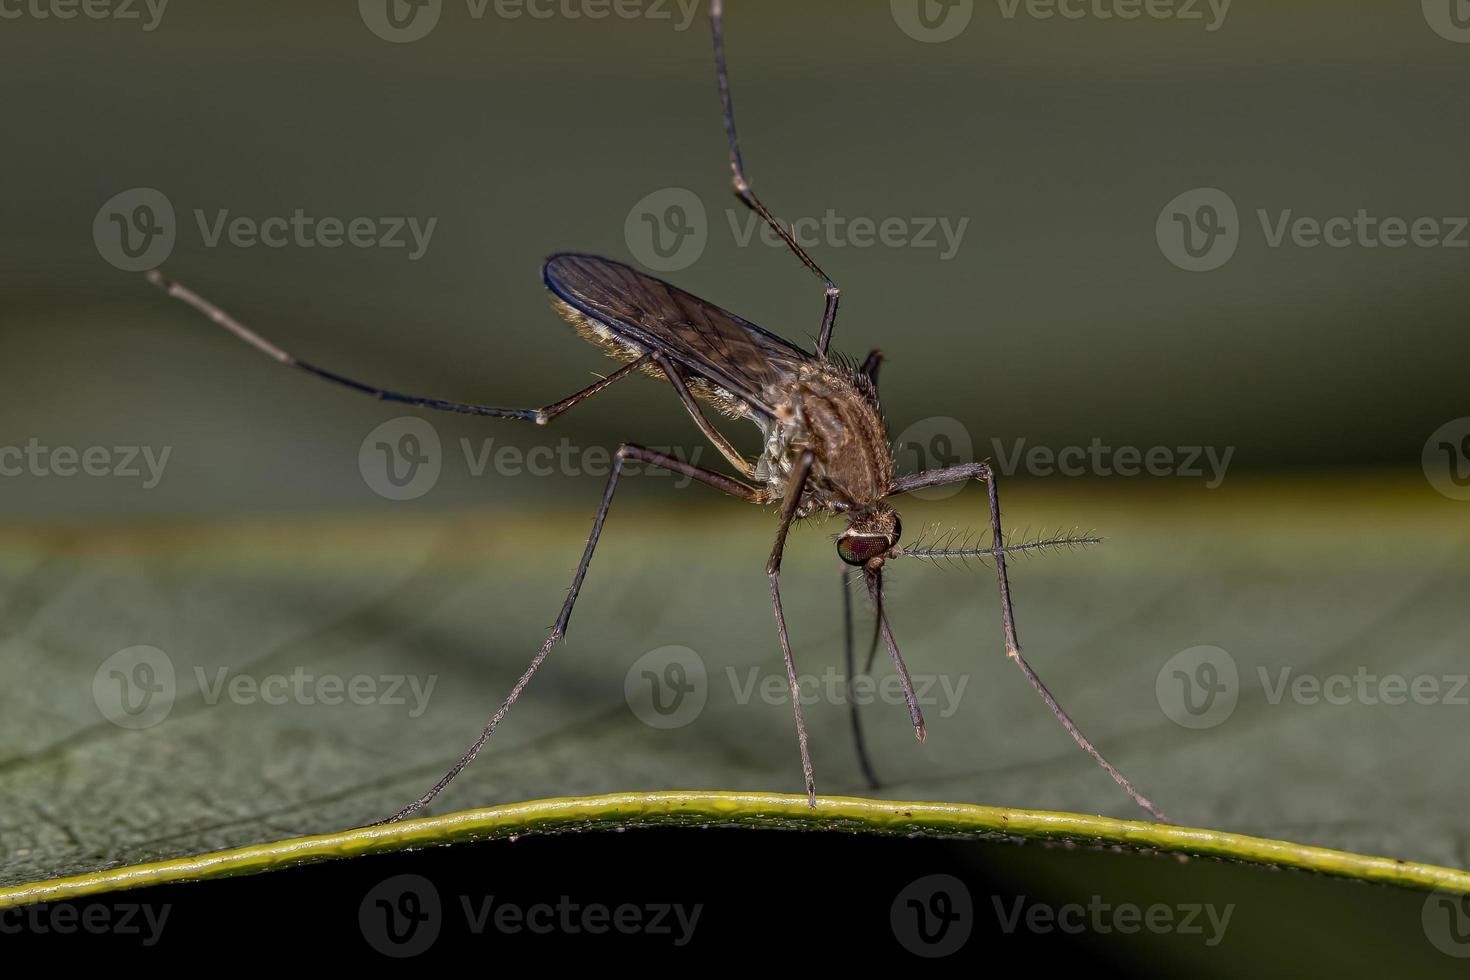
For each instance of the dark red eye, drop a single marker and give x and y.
(859, 549)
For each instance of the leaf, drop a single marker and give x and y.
(1282, 576)
(767, 810)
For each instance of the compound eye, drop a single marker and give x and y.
(859, 549)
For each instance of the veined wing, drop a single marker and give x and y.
(648, 314)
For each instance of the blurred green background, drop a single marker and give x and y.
(1059, 320)
(1059, 142)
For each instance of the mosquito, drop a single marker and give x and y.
(825, 449)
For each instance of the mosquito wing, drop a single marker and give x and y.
(630, 313)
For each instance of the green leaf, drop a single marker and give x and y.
(1282, 576)
(766, 810)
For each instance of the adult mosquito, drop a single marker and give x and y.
(825, 447)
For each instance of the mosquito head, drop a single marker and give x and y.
(871, 534)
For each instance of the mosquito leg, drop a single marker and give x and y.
(773, 572)
(676, 379)
(742, 186)
(625, 452)
(871, 365)
(874, 578)
(540, 416)
(853, 714)
(983, 472)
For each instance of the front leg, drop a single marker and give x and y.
(773, 573)
(983, 472)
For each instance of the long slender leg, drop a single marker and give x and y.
(982, 472)
(746, 195)
(773, 572)
(849, 663)
(874, 578)
(540, 416)
(676, 379)
(625, 452)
